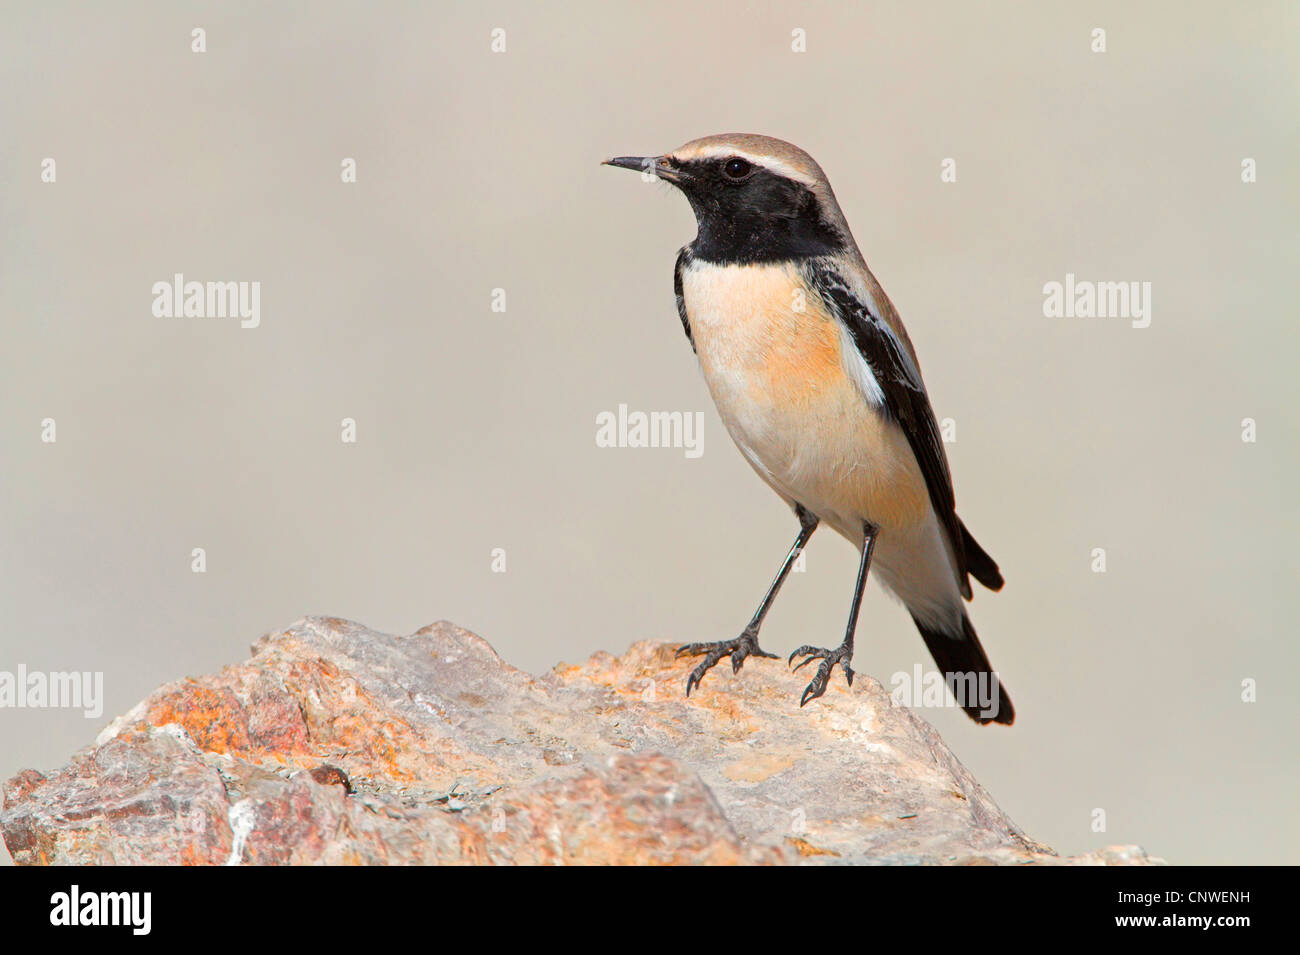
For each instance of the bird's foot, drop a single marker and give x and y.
(841, 655)
(739, 649)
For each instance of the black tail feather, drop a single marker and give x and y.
(981, 566)
(961, 657)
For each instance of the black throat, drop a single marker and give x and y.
(767, 218)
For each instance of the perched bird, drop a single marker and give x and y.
(817, 383)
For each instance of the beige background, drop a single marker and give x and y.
(476, 429)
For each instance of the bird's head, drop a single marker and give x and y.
(756, 199)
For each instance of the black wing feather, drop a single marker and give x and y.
(906, 403)
(683, 257)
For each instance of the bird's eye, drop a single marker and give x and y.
(736, 168)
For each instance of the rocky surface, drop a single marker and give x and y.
(336, 744)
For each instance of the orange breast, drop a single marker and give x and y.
(772, 357)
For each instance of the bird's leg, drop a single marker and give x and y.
(844, 652)
(746, 645)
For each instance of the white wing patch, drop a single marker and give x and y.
(857, 368)
(858, 289)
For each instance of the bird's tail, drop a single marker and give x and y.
(968, 673)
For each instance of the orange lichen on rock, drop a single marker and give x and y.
(211, 716)
(335, 744)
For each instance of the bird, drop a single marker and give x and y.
(818, 385)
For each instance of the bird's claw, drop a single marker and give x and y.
(817, 686)
(739, 649)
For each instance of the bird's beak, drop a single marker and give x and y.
(657, 167)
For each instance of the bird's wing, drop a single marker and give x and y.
(683, 256)
(902, 395)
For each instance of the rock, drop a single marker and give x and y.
(336, 744)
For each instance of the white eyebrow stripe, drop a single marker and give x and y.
(767, 162)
